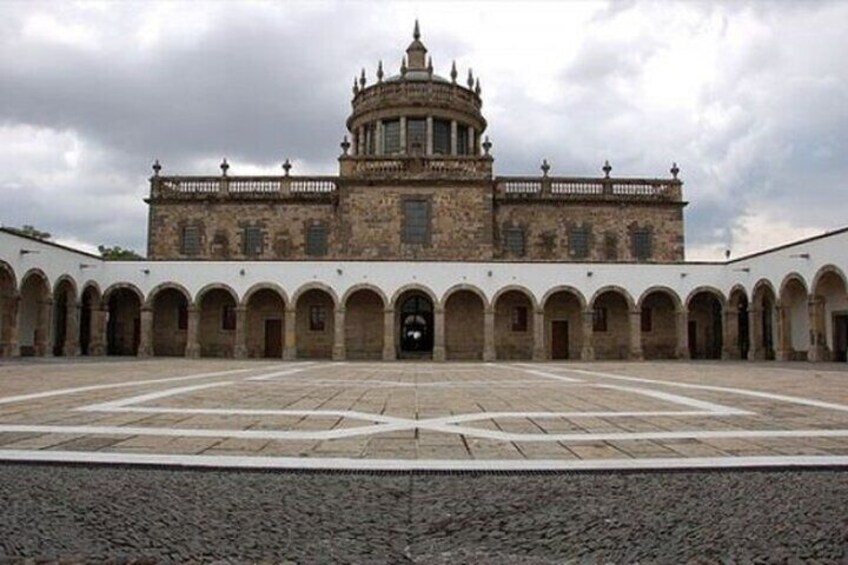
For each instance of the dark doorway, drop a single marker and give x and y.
(85, 323)
(840, 337)
(742, 325)
(559, 339)
(274, 338)
(693, 339)
(60, 324)
(768, 336)
(416, 326)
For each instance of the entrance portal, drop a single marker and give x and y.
(559, 339)
(416, 326)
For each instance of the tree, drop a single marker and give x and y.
(30, 231)
(118, 253)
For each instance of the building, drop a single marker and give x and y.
(416, 250)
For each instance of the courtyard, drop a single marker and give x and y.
(424, 416)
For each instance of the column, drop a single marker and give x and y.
(587, 353)
(145, 341)
(389, 352)
(439, 334)
(756, 351)
(538, 334)
(290, 321)
(635, 352)
(339, 334)
(489, 352)
(240, 348)
(378, 135)
(683, 335)
(429, 136)
(71, 346)
(469, 150)
(192, 333)
(41, 340)
(730, 331)
(403, 135)
(9, 337)
(453, 137)
(818, 340)
(784, 343)
(99, 320)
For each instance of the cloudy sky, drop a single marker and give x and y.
(751, 100)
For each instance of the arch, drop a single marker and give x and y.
(123, 329)
(315, 321)
(8, 310)
(794, 319)
(90, 329)
(35, 272)
(829, 315)
(668, 291)
(737, 323)
(65, 325)
(761, 286)
(303, 289)
(516, 288)
(828, 269)
(264, 307)
(763, 320)
(631, 305)
(7, 268)
(365, 286)
(719, 295)
(794, 276)
(273, 287)
(415, 287)
(735, 292)
(364, 307)
(467, 287)
(66, 279)
(198, 298)
(564, 288)
(34, 313)
(154, 292)
(107, 294)
(91, 285)
(465, 307)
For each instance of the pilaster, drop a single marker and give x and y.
(339, 334)
(489, 352)
(240, 347)
(439, 334)
(587, 352)
(290, 323)
(389, 352)
(192, 350)
(145, 342)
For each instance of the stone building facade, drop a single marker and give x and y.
(416, 183)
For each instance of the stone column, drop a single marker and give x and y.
(429, 136)
(469, 150)
(97, 347)
(538, 334)
(389, 352)
(145, 341)
(378, 138)
(730, 337)
(41, 341)
(9, 336)
(635, 352)
(403, 144)
(489, 351)
(192, 350)
(756, 351)
(290, 323)
(240, 347)
(818, 351)
(784, 338)
(439, 353)
(71, 347)
(683, 334)
(339, 353)
(453, 137)
(587, 353)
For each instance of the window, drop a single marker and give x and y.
(182, 317)
(228, 317)
(578, 243)
(519, 319)
(416, 221)
(252, 240)
(317, 317)
(316, 240)
(647, 320)
(190, 240)
(371, 139)
(642, 244)
(462, 140)
(611, 247)
(514, 240)
(391, 136)
(599, 320)
(416, 136)
(441, 137)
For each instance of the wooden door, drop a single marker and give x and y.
(559, 339)
(274, 338)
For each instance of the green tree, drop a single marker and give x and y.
(30, 231)
(118, 253)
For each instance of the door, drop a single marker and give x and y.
(840, 337)
(559, 339)
(274, 338)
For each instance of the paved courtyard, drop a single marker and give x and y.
(502, 415)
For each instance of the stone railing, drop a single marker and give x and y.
(576, 188)
(241, 187)
(405, 167)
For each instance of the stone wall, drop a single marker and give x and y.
(464, 326)
(215, 341)
(511, 343)
(264, 305)
(314, 343)
(168, 338)
(364, 326)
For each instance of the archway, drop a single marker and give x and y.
(65, 318)
(705, 330)
(513, 325)
(658, 324)
(217, 322)
(794, 321)
(464, 318)
(364, 325)
(170, 322)
(90, 333)
(563, 325)
(34, 315)
(315, 320)
(762, 322)
(8, 311)
(265, 324)
(830, 314)
(416, 325)
(738, 325)
(611, 325)
(123, 328)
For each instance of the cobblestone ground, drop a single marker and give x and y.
(119, 514)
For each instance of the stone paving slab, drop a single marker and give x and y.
(475, 412)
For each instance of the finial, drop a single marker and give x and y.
(453, 72)
(355, 87)
(403, 67)
(430, 66)
(607, 168)
(545, 167)
(416, 33)
(380, 71)
(224, 167)
(362, 79)
(287, 166)
(156, 168)
(345, 145)
(470, 81)
(674, 170)
(487, 145)
(477, 90)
